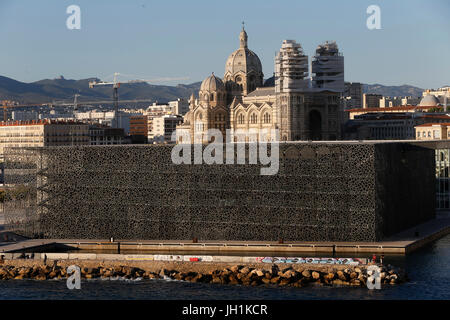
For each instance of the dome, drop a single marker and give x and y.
(212, 83)
(429, 101)
(244, 60)
(243, 69)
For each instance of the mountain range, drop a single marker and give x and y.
(393, 91)
(49, 90)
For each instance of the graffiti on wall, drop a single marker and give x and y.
(349, 261)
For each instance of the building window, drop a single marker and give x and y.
(266, 117)
(241, 119)
(253, 118)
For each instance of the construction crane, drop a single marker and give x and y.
(10, 104)
(116, 85)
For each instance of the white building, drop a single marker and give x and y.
(24, 115)
(40, 133)
(179, 106)
(328, 68)
(291, 68)
(163, 127)
(389, 102)
(441, 92)
(106, 118)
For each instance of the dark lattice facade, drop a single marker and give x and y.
(322, 192)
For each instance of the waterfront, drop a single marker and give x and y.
(426, 268)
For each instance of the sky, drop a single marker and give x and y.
(146, 39)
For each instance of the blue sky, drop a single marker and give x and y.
(151, 39)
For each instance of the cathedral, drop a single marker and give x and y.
(242, 103)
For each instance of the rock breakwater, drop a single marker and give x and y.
(233, 275)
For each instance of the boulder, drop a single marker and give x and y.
(41, 276)
(235, 269)
(341, 275)
(315, 275)
(177, 276)
(275, 280)
(232, 279)
(286, 269)
(284, 282)
(259, 273)
(245, 270)
(240, 276)
(355, 282)
(306, 274)
(288, 274)
(164, 272)
(339, 282)
(216, 279)
(329, 276)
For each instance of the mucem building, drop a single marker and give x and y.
(323, 191)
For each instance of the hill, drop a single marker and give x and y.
(393, 91)
(48, 90)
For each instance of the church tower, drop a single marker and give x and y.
(291, 73)
(243, 70)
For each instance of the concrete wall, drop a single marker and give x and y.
(322, 192)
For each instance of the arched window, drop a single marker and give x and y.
(212, 97)
(266, 117)
(253, 118)
(241, 119)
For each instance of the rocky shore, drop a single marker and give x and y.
(251, 275)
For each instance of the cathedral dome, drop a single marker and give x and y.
(212, 91)
(243, 69)
(429, 101)
(212, 84)
(244, 60)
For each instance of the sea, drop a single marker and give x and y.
(427, 268)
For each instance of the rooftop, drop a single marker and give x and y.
(38, 122)
(265, 91)
(434, 124)
(401, 108)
